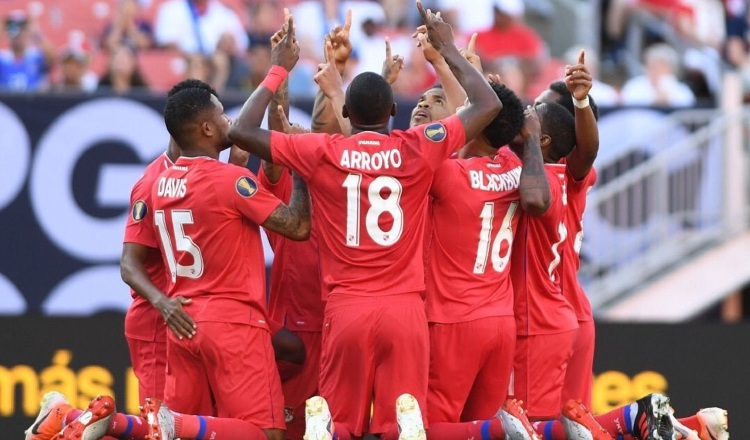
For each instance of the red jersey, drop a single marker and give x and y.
(207, 215)
(296, 299)
(540, 306)
(144, 322)
(571, 262)
(369, 197)
(474, 215)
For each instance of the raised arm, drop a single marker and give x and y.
(245, 131)
(483, 102)
(329, 80)
(292, 221)
(533, 186)
(275, 123)
(326, 116)
(135, 275)
(454, 93)
(579, 82)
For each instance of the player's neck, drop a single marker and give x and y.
(199, 152)
(377, 128)
(477, 147)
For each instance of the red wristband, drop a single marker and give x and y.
(275, 77)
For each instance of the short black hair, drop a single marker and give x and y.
(560, 126)
(191, 83)
(369, 98)
(566, 98)
(507, 124)
(182, 110)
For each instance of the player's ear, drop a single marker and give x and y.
(206, 128)
(394, 109)
(545, 141)
(344, 111)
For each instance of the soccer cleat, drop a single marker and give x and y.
(515, 423)
(580, 424)
(652, 421)
(48, 423)
(159, 418)
(714, 424)
(318, 422)
(409, 418)
(92, 424)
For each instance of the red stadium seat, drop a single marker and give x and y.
(161, 69)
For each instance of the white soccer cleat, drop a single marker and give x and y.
(409, 418)
(515, 423)
(318, 422)
(49, 421)
(160, 420)
(714, 424)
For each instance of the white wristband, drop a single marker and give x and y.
(583, 103)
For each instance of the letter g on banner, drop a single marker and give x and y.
(61, 147)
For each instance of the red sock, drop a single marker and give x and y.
(344, 434)
(491, 429)
(619, 421)
(390, 434)
(127, 427)
(200, 427)
(550, 430)
(691, 422)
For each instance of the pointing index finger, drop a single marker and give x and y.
(581, 56)
(387, 48)
(348, 22)
(472, 43)
(422, 12)
(290, 30)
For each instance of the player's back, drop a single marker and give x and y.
(369, 195)
(540, 307)
(212, 249)
(475, 212)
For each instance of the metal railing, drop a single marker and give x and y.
(667, 206)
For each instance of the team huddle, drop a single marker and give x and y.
(424, 281)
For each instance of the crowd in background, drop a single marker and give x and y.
(650, 52)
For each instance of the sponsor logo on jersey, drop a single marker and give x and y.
(140, 209)
(435, 132)
(246, 187)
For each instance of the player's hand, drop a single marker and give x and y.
(431, 55)
(177, 319)
(470, 53)
(342, 46)
(290, 128)
(531, 126)
(495, 78)
(392, 64)
(238, 156)
(286, 52)
(578, 78)
(328, 77)
(439, 32)
(279, 35)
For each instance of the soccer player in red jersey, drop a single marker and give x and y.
(475, 204)
(369, 194)
(207, 215)
(143, 270)
(545, 321)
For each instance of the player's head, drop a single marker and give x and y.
(558, 131)
(369, 101)
(195, 119)
(431, 106)
(507, 124)
(558, 92)
(191, 83)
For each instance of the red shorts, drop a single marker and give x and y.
(302, 386)
(373, 348)
(579, 376)
(539, 372)
(149, 359)
(230, 364)
(470, 366)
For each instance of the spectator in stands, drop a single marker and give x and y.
(128, 28)
(604, 94)
(122, 74)
(25, 65)
(230, 69)
(659, 85)
(737, 45)
(75, 75)
(197, 26)
(509, 36)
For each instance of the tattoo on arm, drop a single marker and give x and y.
(292, 221)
